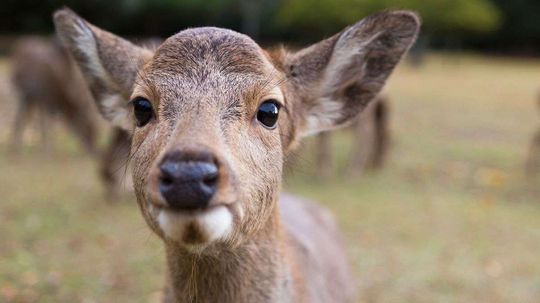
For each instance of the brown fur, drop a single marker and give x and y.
(47, 83)
(205, 85)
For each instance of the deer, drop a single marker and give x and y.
(212, 117)
(50, 85)
(371, 138)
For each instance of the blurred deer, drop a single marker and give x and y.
(212, 117)
(370, 142)
(532, 166)
(114, 164)
(50, 85)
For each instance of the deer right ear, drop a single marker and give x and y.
(335, 79)
(109, 64)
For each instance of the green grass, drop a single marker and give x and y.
(451, 218)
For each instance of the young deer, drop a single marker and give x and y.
(212, 116)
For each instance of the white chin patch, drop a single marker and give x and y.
(197, 229)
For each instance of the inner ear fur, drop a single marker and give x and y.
(333, 81)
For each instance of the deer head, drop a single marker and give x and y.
(212, 115)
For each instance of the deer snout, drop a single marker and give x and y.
(188, 181)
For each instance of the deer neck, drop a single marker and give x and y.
(257, 270)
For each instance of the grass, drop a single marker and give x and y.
(451, 218)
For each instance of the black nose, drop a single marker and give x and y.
(188, 181)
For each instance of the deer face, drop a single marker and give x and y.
(207, 142)
(212, 115)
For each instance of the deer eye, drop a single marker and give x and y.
(143, 111)
(268, 112)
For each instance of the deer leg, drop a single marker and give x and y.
(86, 133)
(362, 141)
(380, 140)
(325, 165)
(44, 125)
(113, 160)
(532, 166)
(21, 120)
(80, 123)
(371, 139)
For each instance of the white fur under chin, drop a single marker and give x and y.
(215, 222)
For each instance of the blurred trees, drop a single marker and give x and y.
(470, 23)
(444, 20)
(438, 15)
(520, 28)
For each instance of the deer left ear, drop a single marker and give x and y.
(336, 78)
(109, 64)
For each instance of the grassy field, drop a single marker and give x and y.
(451, 218)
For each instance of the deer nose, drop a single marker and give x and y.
(187, 182)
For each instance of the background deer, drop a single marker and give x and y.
(51, 86)
(370, 137)
(212, 117)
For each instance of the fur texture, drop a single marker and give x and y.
(205, 85)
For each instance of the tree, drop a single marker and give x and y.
(328, 16)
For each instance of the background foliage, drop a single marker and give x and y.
(499, 25)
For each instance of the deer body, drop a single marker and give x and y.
(212, 117)
(48, 83)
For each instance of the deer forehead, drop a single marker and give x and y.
(214, 65)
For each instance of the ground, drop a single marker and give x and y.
(451, 218)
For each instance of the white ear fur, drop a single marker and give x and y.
(328, 110)
(83, 40)
(112, 105)
(109, 64)
(115, 109)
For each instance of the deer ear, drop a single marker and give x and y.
(109, 64)
(333, 80)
